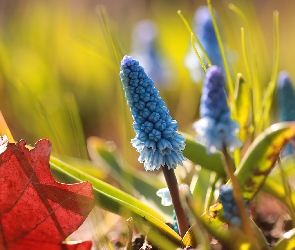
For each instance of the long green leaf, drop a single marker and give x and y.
(261, 157)
(116, 201)
(202, 186)
(196, 152)
(146, 184)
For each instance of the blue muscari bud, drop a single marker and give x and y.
(286, 97)
(156, 139)
(215, 128)
(230, 208)
(286, 104)
(204, 30)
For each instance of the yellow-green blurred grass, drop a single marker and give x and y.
(50, 50)
(47, 50)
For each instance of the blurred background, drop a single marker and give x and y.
(59, 72)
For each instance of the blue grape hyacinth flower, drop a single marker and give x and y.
(230, 208)
(286, 104)
(204, 30)
(156, 139)
(215, 128)
(286, 97)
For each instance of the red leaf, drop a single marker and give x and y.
(36, 212)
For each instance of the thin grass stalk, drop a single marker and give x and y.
(246, 226)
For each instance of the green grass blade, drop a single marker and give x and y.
(243, 109)
(222, 51)
(76, 125)
(109, 34)
(251, 65)
(268, 96)
(202, 190)
(194, 37)
(196, 152)
(243, 106)
(197, 53)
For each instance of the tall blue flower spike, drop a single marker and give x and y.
(286, 104)
(156, 139)
(230, 208)
(204, 30)
(215, 128)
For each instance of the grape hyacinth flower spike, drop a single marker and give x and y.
(286, 104)
(230, 208)
(218, 131)
(204, 30)
(215, 128)
(156, 139)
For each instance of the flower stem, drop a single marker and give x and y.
(246, 226)
(174, 192)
